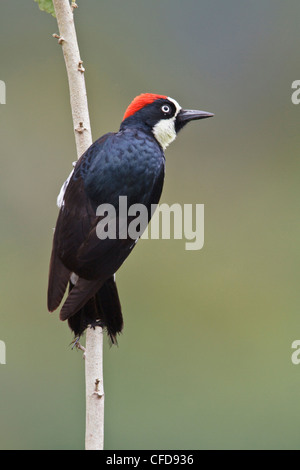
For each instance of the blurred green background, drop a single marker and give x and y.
(205, 358)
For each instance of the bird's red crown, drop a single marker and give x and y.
(140, 102)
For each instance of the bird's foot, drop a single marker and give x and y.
(76, 344)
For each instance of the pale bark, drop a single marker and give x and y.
(94, 390)
(94, 438)
(78, 97)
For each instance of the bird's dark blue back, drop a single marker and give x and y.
(128, 163)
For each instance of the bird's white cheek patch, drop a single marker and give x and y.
(164, 132)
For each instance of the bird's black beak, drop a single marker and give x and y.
(186, 115)
(192, 114)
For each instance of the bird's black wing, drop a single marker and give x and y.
(77, 247)
(76, 216)
(102, 258)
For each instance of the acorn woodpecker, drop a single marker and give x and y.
(129, 163)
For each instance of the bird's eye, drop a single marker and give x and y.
(165, 109)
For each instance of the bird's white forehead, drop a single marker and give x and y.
(177, 105)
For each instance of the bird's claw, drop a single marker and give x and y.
(76, 344)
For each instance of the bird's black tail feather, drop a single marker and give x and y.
(103, 309)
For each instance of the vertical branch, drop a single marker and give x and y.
(94, 389)
(78, 97)
(94, 337)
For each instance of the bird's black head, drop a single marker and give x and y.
(161, 114)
